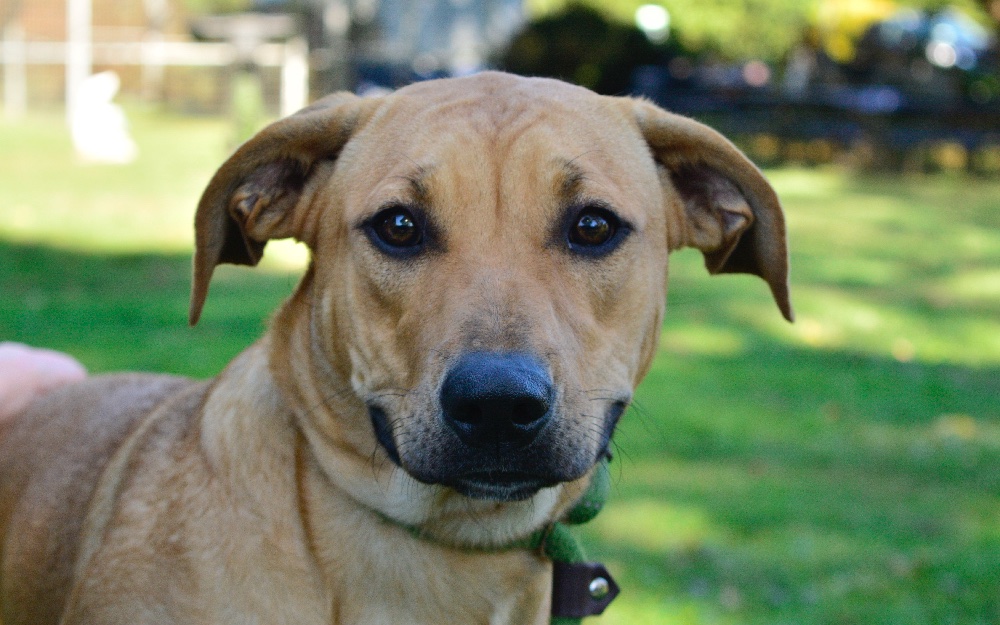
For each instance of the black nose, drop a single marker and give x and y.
(497, 399)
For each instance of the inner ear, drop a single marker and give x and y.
(260, 209)
(729, 210)
(253, 196)
(717, 213)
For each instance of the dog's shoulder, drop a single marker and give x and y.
(77, 420)
(52, 457)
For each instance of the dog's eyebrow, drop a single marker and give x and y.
(418, 185)
(572, 179)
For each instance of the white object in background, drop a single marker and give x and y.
(98, 125)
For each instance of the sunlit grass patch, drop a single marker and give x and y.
(50, 197)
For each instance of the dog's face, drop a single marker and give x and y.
(490, 260)
(505, 282)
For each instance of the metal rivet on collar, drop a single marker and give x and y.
(599, 588)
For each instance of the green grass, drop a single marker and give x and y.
(842, 470)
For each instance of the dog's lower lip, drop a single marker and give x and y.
(499, 486)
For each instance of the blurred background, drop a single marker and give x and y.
(841, 470)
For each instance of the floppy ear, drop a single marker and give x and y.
(730, 212)
(251, 198)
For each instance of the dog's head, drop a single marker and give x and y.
(488, 277)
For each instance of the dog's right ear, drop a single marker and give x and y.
(728, 209)
(250, 198)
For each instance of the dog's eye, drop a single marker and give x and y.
(397, 227)
(593, 228)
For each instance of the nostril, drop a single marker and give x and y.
(469, 413)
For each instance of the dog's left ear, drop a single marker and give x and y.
(251, 198)
(729, 212)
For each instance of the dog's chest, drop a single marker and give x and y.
(379, 573)
(413, 584)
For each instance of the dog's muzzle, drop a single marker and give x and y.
(497, 405)
(494, 432)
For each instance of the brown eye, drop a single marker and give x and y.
(397, 228)
(593, 228)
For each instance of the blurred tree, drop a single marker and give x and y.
(764, 29)
(767, 29)
(581, 45)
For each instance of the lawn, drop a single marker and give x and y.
(841, 470)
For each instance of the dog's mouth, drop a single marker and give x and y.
(499, 486)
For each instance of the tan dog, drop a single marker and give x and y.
(486, 290)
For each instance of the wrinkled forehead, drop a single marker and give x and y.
(507, 136)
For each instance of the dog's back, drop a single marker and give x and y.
(51, 459)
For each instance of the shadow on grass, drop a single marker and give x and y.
(129, 311)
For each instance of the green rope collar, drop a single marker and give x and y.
(579, 588)
(559, 544)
